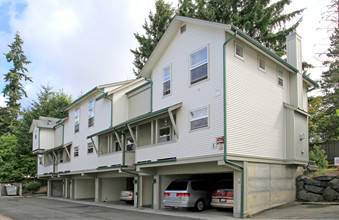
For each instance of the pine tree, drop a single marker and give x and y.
(155, 28)
(330, 78)
(14, 88)
(261, 20)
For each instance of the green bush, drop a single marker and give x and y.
(32, 186)
(319, 156)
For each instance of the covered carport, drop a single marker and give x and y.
(162, 174)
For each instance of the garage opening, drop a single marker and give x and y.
(56, 188)
(84, 189)
(217, 190)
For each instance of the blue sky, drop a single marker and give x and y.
(75, 45)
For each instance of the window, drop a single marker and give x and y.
(91, 113)
(76, 151)
(164, 130)
(261, 63)
(130, 144)
(280, 78)
(90, 148)
(167, 81)
(198, 67)
(239, 50)
(77, 120)
(199, 118)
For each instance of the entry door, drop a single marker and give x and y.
(146, 191)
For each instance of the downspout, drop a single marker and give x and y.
(152, 191)
(225, 128)
(151, 82)
(63, 133)
(53, 164)
(105, 96)
(38, 138)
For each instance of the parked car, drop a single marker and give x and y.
(222, 195)
(188, 193)
(127, 196)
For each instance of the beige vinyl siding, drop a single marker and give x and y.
(139, 104)
(46, 138)
(205, 93)
(58, 136)
(256, 118)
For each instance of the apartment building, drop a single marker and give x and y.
(210, 103)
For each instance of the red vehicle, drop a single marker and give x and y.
(222, 196)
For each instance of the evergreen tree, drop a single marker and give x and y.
(14, 88)
(155, 28)
(330, 78)
(49, 104)
(261, 20)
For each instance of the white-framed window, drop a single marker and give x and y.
(167, 81)
(76, 151)
(239, 51)
(164, 129)
(199, 65)
(261, 63)
(280, 77)
(199, 118)
(91, 113)
(90, 149)
(77, 120)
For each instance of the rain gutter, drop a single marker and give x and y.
(225, 127)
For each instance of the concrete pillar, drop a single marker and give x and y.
(49, 187)
(65, 188)
(156, 191)
(98, 190)
(237, 193)
(72, 182)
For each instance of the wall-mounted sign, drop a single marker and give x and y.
(219, 143)
(336, 161)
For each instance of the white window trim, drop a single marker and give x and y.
(200, 64)
(278, 77)
(261, 58)
(88, 144)
(92, 100)
(75, 122)
(77, 147)
(170, 80)
(208, 118)
(235, 51)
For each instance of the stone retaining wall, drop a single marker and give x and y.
(319, 189)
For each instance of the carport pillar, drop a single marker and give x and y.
(66, 188)
(237, 193)
(49, 188)
(71, 193)
(156, 192)
(98, 190)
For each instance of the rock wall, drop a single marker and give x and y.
(319, 189)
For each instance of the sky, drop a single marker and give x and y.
(76, 45)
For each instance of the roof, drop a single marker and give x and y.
(136, 119)
(43, 122)
(177, 23)
(95, 89)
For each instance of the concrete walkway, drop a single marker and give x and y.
(206, 214)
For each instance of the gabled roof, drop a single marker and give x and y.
(95, 89)
(178, 21)
(43, 122)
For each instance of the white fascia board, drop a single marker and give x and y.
(170, 34)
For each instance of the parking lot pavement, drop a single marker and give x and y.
(52, 208)
(300, 211)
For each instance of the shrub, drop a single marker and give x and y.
(32, 186)
(319, 156)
